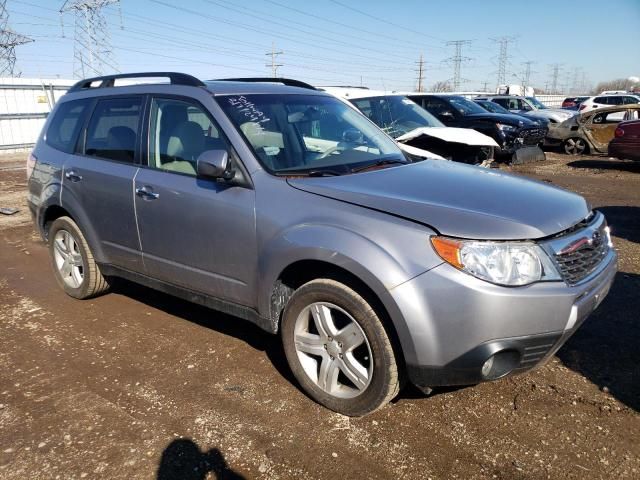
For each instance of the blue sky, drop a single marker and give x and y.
(347, 42)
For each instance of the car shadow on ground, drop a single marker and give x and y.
(212, 319)
(183, 460)
(605, 348)
(607, 164)
(624, 221)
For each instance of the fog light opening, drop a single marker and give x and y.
(500, 364)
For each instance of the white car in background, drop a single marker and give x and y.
(608, 100)
(530, 106)
(416, 131)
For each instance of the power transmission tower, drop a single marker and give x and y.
(92, 52)
(484, 85)
(274, 66)
(421, 74)
(555, 72)
(527, 73)
(9, 40)
(503, 57)
(457, 60)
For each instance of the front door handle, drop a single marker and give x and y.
(147, 193)
(73, 176)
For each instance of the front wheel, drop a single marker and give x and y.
(575, 146)
(338, 349)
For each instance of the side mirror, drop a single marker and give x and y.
(214, 164)
(352, 135)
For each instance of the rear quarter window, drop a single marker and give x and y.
(65, 125)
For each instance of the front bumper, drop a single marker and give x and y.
(456, 322)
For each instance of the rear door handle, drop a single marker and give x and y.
(147, 193)
(73, 176)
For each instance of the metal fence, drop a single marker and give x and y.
(24, 106)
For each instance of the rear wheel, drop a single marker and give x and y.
(74, 266)
(575, 146)
(338, 349)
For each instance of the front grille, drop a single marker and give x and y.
(532, 136)
(581, 258)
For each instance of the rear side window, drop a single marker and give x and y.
(602, 100)
(65, 125)
(113, 129)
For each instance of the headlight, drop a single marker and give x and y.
(506, 128)
(502, 263)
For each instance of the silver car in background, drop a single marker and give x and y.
(531, 107)
(281, 205)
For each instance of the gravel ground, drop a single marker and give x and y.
(137, 384)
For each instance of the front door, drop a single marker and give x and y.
(196, 233)
(98, 179)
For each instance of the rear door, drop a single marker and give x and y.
(98, 178)
(197, 233)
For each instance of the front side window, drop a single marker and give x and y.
(396, 115)
(537, 103)
(306, 133)
(65, 125)
(179, 131)
(113, 130)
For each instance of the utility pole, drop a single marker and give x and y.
(92, 52)
(274, 66)
(484, 86)
(503, 57)
(555, 71)
(457, 60)
(421, 74)
(9, 40)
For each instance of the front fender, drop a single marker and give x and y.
(343, 248)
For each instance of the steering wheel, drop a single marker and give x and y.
(329, 151)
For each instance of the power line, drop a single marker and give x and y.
(457, 60)
(274, 65)
(9, 40)
(92, 45)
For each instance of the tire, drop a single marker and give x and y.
(575, 146)
(73, 264)
(329, 332)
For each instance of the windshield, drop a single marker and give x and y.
(308, 133)
(537, 103)
(493, 107)
(396, 115)
(464, 106)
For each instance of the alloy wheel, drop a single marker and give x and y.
(333, 350)
(68, 259)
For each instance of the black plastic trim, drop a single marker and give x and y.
(224, 306)
(466, 369)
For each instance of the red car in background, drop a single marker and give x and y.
(573, 103)
(626, 142)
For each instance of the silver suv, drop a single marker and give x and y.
(277, 203)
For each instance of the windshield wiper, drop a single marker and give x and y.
(379, 163)
(310, 173)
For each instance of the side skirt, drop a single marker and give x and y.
(230, 308)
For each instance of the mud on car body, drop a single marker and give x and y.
(280, 204)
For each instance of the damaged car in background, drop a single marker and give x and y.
(418, 133)
(518, 138)
(591, 132)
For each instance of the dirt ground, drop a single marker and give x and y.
(137, 384)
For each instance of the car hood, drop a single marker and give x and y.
(465, 136)
(507, 119)
(457, 200)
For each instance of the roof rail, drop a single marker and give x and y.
(107, 81)
(360, 87)
(285, 81)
